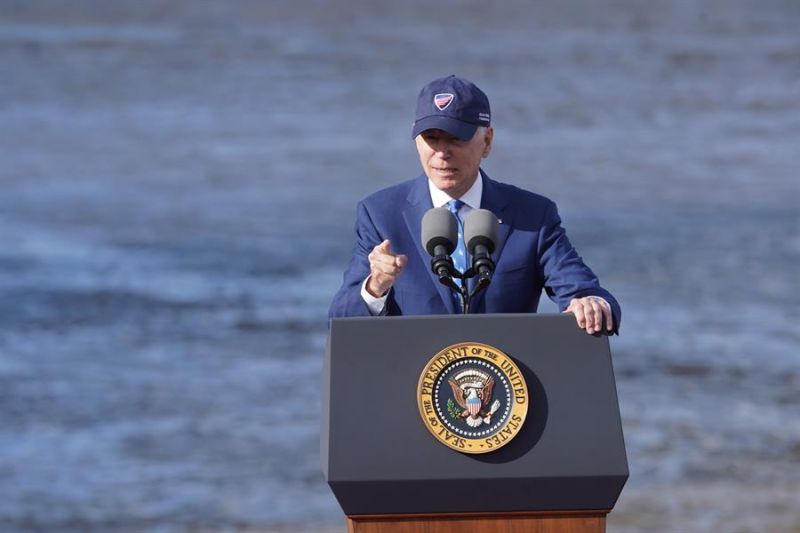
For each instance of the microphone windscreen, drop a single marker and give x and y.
(439, 226)
(481, 227)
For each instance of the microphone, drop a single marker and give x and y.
(440, 237)
(480, 235)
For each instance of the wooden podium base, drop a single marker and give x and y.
(539, 522)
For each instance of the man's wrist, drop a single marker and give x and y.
(376, 304)
(372, 292)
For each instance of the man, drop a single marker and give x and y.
(390, 272)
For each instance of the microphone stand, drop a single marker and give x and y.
(482, 267)
(442, 266)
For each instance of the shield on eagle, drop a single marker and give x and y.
(473, 403)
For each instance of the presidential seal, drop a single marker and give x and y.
(472, 397)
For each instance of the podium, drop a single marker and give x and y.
(562, 472)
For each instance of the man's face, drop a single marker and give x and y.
(451, 163)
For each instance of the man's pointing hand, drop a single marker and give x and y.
(384, 268)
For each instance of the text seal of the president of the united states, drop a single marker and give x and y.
(472, 397)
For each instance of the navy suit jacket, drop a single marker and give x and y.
(532, 253)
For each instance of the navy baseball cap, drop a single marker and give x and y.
(452, 104)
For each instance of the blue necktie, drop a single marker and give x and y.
(460, 253)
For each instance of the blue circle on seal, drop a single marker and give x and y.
(473, 398)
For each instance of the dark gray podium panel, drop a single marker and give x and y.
(379, 458)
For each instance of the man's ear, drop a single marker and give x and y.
(488, 137)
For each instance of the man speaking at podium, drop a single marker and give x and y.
(390, 271)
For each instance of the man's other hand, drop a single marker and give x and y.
(384, 268)
(591, 313)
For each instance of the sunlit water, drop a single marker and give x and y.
(178, 186)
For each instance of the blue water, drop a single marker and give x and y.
(177, 191)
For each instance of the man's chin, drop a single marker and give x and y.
(447, 185)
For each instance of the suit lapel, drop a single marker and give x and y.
(497, 202)
(419, 200)
(494, 199)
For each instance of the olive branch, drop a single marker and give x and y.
(452, 409)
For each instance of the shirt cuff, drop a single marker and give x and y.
(377, 306)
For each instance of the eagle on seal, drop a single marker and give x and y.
(472, 390)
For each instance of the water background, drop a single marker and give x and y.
(178, 184)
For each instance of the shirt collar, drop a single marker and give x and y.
(472, 197)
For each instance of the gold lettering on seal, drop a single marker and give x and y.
(440, 408)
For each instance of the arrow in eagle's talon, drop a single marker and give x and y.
(495, 407)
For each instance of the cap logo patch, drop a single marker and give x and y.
(442, 100)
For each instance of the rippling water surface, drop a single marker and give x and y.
(177, 191)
